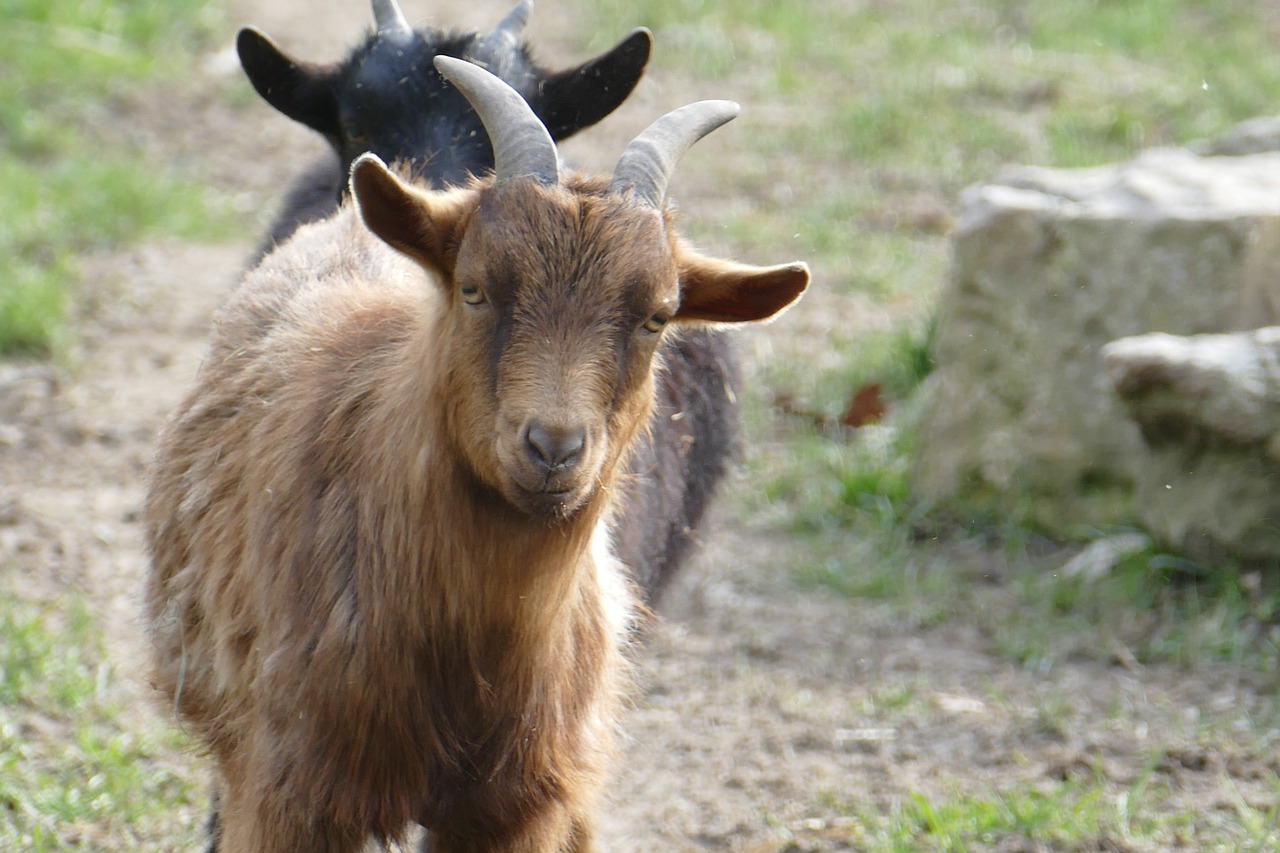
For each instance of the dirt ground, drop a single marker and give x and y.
(765, 710)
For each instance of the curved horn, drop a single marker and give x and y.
(509, 28)
(522, 147)
(647, 163)
(390, 21)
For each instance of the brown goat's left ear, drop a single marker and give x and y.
(718, 291)
(425, 225)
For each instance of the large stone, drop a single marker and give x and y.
(1208, 407)
(1019, 422)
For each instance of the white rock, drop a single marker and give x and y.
(1019, 420)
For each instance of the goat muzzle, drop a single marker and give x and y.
(548, 468)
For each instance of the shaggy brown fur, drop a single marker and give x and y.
(371, 600)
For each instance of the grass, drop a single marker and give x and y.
(1056, 819)
(75, 178)
(1078, 814)
(1154, 606)
(78, 769)
(1084, 811)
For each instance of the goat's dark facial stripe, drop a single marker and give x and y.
(499, 338)
(622, 352)
(500, 289)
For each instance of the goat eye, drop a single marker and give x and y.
(655, 323)
(471, 294)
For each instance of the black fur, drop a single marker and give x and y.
(388, 98)
(693, 438)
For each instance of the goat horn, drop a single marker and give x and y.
(510, 27)
(522, 146)
(647, 163)
(390, 21)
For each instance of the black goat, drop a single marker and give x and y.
(387, 98)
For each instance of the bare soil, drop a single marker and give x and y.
(765, 710)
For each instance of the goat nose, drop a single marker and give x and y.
(554, 448)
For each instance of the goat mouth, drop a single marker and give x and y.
(548, 502)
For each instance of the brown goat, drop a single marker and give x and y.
(383, 589)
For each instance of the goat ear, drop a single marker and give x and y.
(427, 226)
(579, 97)
(718, 291)
(301, 90)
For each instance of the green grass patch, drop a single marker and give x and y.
(1083, 813)
(1147, 607)
(79, 769)
(1070, 816)
(834, 478)
(74, 176)
(938, 94)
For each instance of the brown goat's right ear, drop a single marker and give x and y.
(425, 225)
(300, 90)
